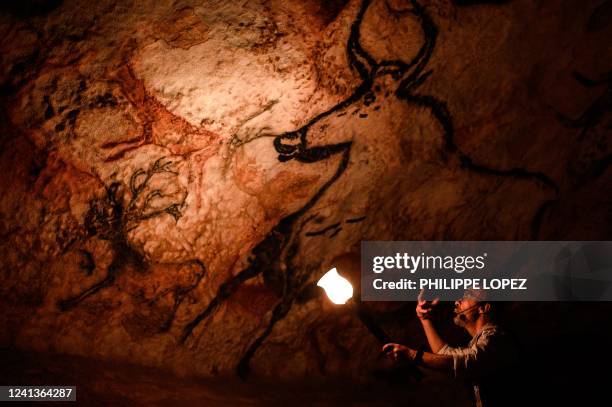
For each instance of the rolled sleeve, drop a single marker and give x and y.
(478, 359)
(444, 350)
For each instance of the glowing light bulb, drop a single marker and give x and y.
(337, 288)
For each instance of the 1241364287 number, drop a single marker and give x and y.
(39, 392)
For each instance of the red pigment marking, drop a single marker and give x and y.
(157, 122)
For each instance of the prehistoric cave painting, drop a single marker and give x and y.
(592, 163)
(122, 208)
(273, 257)
(155, 311)
(179, 292)
(87, 264)
(592, 149)
(159, 126)
(334, 228)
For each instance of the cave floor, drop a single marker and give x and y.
(101, 383)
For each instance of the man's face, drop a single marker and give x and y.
(466, 311)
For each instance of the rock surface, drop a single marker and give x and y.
(177, 175)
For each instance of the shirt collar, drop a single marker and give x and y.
(485, 327)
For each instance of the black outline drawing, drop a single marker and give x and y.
(111, 219)
(276, 252)
(586, 122)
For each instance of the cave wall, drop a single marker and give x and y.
(178, 174)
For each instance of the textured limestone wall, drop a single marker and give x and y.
(177, 174)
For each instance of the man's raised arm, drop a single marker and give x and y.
(423, 311)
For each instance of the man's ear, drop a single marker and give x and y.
(485, 308)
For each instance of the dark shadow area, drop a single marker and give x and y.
(104, 383)
(29, 8)
(564, 361)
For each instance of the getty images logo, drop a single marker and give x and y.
(411, 263)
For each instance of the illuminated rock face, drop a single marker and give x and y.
(178, 176)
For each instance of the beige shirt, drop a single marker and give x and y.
(489, 352)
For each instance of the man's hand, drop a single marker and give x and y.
(397, 351)
(424, 307)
